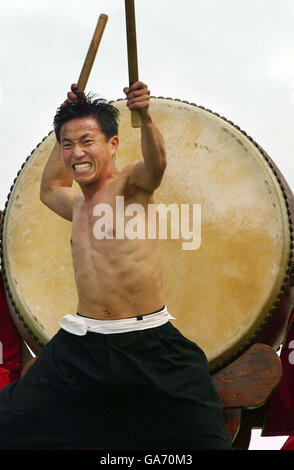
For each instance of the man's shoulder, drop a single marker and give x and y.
(131, 186)
(127, 170)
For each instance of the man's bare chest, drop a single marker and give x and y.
(109, 212)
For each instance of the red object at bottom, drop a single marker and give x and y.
(289, 444)
(10, 343)
(279, 418)
(4, 377)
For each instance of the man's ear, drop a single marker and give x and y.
(114, 142)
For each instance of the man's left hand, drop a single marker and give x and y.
(138, 97)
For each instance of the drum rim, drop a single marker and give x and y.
(289, 272)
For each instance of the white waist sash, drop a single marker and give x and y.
(79, 325)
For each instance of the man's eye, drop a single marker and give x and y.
(88, 141)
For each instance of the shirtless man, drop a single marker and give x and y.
(128, 271)
(118, 375)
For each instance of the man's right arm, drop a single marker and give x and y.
(56, 190)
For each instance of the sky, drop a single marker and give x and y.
(235, 57)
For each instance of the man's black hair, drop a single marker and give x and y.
(88, 105)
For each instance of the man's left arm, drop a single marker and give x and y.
(146, 174)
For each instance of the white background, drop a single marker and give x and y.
(235, 57)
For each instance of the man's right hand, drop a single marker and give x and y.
(72, 95)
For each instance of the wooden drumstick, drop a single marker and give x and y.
(132, 54)
(89, 60)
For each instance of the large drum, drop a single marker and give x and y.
(231, 290)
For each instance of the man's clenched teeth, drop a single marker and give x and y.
(81, 167)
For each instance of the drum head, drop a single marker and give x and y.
(221, 293)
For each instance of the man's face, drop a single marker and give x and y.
(86, 153)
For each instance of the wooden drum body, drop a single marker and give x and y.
(230, 292)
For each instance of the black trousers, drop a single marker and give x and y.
(142, 390)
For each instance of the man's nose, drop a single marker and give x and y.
(78, 152)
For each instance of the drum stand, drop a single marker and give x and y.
(244, 387)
